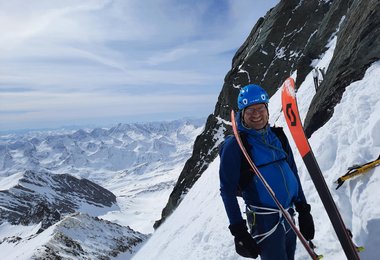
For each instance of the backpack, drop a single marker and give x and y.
(246, 170)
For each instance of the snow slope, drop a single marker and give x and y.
(198, 227)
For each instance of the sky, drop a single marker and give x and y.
(103, 62)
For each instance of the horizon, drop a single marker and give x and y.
(76, 127)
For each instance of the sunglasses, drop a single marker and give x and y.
(258, 109)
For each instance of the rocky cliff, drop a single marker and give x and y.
(289, 38)
(55, 217)
(41, 197)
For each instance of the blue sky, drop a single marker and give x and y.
(102, 62)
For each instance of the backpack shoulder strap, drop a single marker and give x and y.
(279, 132)
(246, 172)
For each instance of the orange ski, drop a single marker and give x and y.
(290, 109)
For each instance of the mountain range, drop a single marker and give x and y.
(56, 186)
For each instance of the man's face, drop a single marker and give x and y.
(256, 116)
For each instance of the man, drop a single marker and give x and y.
(270, 235)
(315, 77)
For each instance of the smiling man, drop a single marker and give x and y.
(269, 236)
(256, 116)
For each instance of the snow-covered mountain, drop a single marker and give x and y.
(77, 236)
(125, 147)
(41, 197)
(54, 216)
(119, 178)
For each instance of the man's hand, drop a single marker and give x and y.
(245, 245)
(305, 220)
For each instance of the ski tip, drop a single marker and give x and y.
(312, 246)
(339, 182)
(289, 87)
(360, 248)
(319, 256)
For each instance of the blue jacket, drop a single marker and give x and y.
(277, 167)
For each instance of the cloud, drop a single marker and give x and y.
(57, 51)
(170, 56)
(25, 20)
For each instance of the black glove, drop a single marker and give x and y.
(305, 220)
(245, 245)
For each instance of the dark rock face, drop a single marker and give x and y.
(358, 46)
(329, 25)
(43, 197)
(276, 45)
(42, 212)
(288, 38)
(79, 236)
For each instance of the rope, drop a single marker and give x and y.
(267, 211)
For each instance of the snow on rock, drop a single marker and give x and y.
(77, 236)
(42, 197)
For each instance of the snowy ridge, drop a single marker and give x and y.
(77, 236)
(41, 197)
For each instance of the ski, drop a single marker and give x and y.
(357, 170)
(290, 109)
(288, 218)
